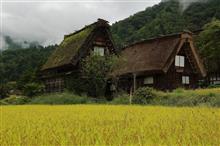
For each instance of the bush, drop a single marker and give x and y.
(95, 70)
(4, 91)
(143, 95)
(76, 84)
(201, 97)
(122, 99)
(33, 89)
(59, 98)
(214, 86)
(179, 90)
(15, 100)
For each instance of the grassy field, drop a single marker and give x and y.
(109, 125)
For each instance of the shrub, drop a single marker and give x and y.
(122, 99)
(179, 90)
(4, 91)
(59, 98)
(201, 97)
(33, 89)
(12, 86)
(15, 100)
(143, 95)
(214, 86)
(76, 84)
(95, 70)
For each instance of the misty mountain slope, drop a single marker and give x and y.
(164, 18)
(17, 60)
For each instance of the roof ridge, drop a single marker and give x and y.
(161, 36)
(85, 27)
(78, 31)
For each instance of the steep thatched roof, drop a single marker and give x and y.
(70, 46)
(155, 55)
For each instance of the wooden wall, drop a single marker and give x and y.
(166, 81)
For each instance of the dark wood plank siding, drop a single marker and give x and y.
(167, 81)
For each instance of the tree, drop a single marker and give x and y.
(165, 18)
(95, 70)
(208, 43)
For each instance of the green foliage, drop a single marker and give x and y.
(121, 99)
(4, 91)
(95, 70)
(59, 98)
(164, 18)
(14, 100)
(33, 89)
(143, 95)
(180, 97)
(76, 84)
(198, 14)
(29, 76)
(209, 44)
(16, 62)
(21, 65)
(214, 86)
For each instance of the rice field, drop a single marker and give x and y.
(37, 125)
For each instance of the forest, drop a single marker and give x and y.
(165, 18)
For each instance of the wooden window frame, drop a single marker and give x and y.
(179, 61)
(215, 79)
(185, 80)
(96, 50)
(147, 79)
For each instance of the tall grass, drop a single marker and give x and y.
(178, 97)
(59, 98)
(181, 97)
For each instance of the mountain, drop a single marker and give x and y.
(22, 58)
(11, 44)
(165, 18)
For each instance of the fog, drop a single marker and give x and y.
(47, 22)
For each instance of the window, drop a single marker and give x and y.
(215, 79)
(185, 80)
(148, 80)
(99, 51)
(180, 61)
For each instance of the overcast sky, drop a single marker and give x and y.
(47, 22)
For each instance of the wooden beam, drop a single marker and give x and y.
(134, 83)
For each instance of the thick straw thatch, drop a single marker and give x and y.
(70, 46)
(154, 55)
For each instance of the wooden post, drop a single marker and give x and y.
(130, 97)
(134, 87)
(134, 79)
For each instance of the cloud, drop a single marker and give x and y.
(47, 22)
(3, 44)
(186, 3)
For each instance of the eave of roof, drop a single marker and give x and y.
(71, 45)
(155, 54)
